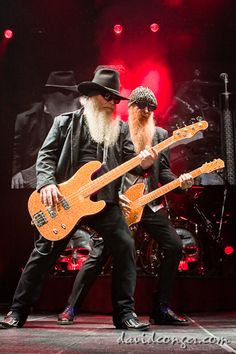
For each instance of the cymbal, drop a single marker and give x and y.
(198, 82)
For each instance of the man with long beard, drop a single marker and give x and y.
(144, 133)
(142, 104)
(92, 133)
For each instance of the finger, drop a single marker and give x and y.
(151, 151)
(17, 183)
(49, 197)
(21, 182)
(43, 197)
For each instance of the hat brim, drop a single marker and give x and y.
(87, 87)
(68, 88)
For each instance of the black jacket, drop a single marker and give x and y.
(58, 158)
(160, 172)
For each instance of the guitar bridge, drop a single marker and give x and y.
(40, 219)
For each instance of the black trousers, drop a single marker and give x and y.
(159, 227)
(111, 225)
(170, 244)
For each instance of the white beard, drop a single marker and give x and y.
(104, 126)
(141, 130)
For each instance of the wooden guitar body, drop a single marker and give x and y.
(54, 223)
(134, 193)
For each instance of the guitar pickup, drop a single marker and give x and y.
(52, 212)
(65, 204)
(40, 219)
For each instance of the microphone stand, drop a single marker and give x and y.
(214, 249)
(228, 136)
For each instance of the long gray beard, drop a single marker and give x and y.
(103, 126)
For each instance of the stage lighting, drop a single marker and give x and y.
(118, 29)
(154, 27)
(8, 33)
(228, 250)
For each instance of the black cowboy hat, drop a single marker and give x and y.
(62, 80)
(105, 80)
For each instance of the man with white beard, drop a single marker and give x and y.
(144, 133)
(89, 134)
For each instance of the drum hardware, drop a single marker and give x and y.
(149, 254)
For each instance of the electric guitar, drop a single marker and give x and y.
(139, 200)
(57, 221)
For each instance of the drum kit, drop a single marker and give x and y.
(148, 255)
(196, 99)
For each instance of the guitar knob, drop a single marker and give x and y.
(55, 231)
(63, 226)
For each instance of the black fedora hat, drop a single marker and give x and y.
(105, 80)
(63, 80)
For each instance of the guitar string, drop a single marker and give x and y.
(168, 187)
(201, 125)
(146, 198)
(94, 183)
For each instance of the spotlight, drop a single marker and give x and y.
(228, 250)
(118, 29)
(154, 27)
(8, 33)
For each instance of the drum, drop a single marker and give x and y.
(150, 255)
(76, 251)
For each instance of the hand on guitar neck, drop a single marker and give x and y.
(186, 181)
(148, 156)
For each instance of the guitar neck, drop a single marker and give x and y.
(119, 171)
(147, 198)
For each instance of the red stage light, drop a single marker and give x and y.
(154, 27)
(118, 29)
(8, 33)
(228, 250)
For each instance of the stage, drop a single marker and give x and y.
(206, 333)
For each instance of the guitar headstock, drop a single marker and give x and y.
(216, 164)
(189, 130)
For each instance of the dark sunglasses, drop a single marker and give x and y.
(142, 105)
(109, 97)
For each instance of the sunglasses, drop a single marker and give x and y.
(142, 105)
(109, 97)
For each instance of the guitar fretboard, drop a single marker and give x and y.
(147, 198)
(110, 176)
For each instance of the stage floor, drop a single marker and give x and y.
(207, 333)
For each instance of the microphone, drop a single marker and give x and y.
(225, 77)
